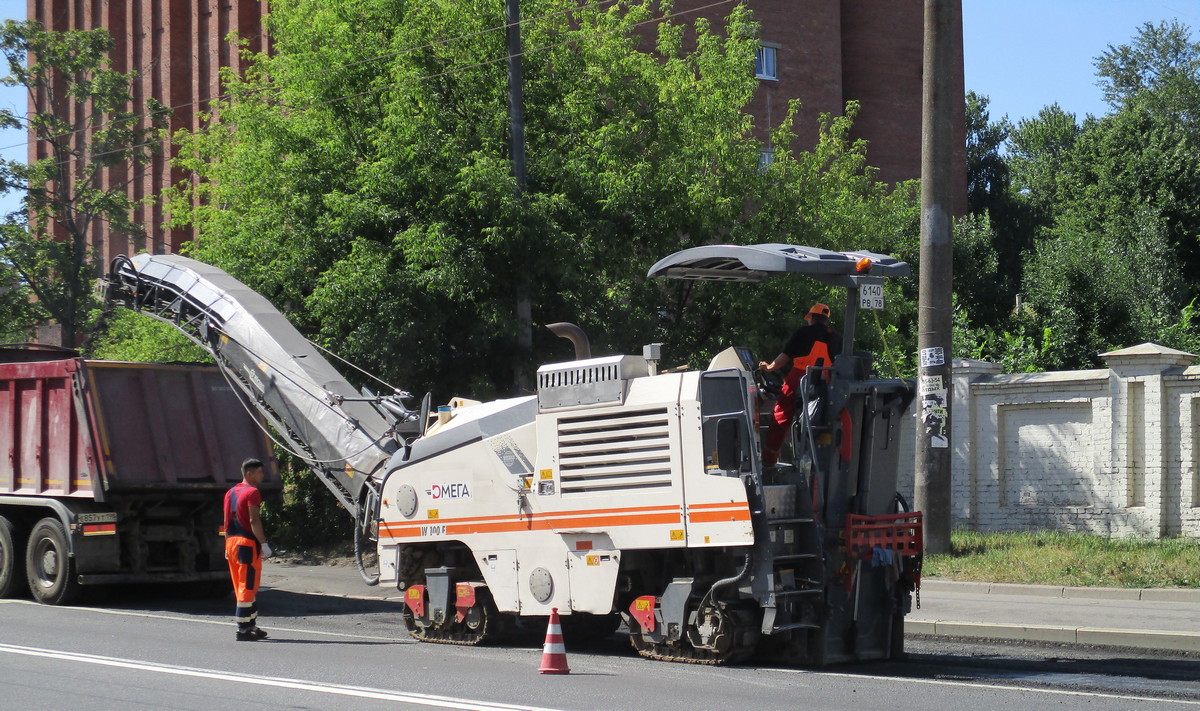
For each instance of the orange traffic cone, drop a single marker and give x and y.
(554, 654)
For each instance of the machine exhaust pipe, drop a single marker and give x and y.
(574, 334)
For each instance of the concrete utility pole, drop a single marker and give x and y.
(934, 322)
(516, 116)
(516, 91)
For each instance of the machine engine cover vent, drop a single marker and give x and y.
(597, 381)
(615, 452)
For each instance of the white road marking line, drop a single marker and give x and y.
(984, 685)
(889, 679)
(445, 702)
(270, 627)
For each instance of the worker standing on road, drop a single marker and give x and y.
(813, 345)
(244, 548)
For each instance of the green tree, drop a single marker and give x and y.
(83, 114)
(1103, 287)
(987, 170)
(1037, 148)
(126, 335)
(1003, 223)
(19, 313)
(1106, 216)
(1159, 57)
(1114, 268)
(359, 177)
(989, 246)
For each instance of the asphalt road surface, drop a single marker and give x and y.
(154, 652)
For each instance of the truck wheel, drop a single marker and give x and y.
(49, 565)
(12, 558)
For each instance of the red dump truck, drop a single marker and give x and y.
(115, 472)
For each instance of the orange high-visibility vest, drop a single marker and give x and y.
(818, 356)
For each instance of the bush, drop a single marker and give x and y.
(307, 516)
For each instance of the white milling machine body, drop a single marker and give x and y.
(618, 492)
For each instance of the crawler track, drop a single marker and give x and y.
(482, 624)
(672, 653)
(684, 652)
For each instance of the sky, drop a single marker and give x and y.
(1027, 54)
(1022, 54)
(12, 142)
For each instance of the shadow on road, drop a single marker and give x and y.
(286, 603)
(272, 603)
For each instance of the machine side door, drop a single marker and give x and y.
(717, 508)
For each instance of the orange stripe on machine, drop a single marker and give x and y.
(548, 514)
(723, 516)
(535, 524)
(400, 531)
(635, 516)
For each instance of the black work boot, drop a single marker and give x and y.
(253, 634)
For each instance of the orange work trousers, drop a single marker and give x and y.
(245, 568)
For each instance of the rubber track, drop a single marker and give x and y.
(688, 654)
(433, 639)
(454, 633)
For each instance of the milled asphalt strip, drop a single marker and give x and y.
(987, 685)
(1102, 636)
(1137, 639)
(444, 702)
(177, 618)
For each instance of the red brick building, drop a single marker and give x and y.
(829, 52)
(823, 52)
(177, 48)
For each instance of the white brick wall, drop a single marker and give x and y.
(1114, 452)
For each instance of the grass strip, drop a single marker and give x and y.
(1071, 559)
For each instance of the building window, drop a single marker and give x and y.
(765, 158)
(764, 62)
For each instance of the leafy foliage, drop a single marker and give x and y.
(19, 313)
(1104, 217)
(1021, 348)
(305, 517)
(1159, 56)
(126, 335)
(1036, 151)
(359, 178)
(85, 118)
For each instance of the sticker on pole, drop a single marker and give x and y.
(870, 296)
(935, 418)
(931, 357)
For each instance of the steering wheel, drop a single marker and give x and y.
(770, 383)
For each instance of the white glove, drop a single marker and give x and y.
(266, 550)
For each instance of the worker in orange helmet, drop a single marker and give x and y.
(815, 344)
(245, 547)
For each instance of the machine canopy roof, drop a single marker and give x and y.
(756, 262)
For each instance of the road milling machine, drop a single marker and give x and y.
(617, 492)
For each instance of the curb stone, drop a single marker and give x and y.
(1185, 595)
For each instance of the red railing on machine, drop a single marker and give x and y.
(902, 534)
